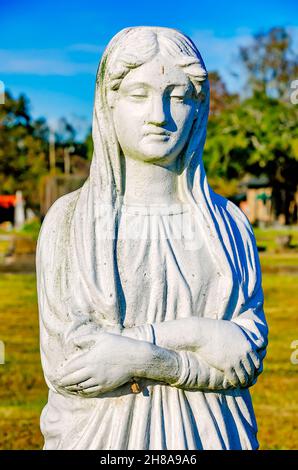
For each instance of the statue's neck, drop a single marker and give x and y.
(147, 183)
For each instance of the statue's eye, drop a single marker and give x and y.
(138, 94)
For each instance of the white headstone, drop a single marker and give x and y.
(19, 211)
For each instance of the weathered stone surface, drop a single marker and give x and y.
(149, 284)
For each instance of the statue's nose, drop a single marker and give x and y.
(158, 115)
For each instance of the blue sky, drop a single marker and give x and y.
(50, 49)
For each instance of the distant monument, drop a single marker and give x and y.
(149, 283)
(19, 211)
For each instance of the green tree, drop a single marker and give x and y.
(23, 149)
(220, 98)
(89, 145)
(259, 137)
(270, 63)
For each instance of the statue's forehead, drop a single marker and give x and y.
(158, 71)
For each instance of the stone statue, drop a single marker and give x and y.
(152, 326)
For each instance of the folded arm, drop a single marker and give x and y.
(218, 354)
(106, 361)
(189, 353)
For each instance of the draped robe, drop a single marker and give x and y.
(85, 287)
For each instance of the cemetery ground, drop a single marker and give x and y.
(23, 392)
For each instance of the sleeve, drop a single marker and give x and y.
(183, 336)
(59, 327)
(250, 316)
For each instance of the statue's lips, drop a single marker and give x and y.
(159, 135)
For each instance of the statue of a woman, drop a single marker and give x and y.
(149, 284)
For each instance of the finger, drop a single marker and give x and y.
(242, 374)
(248, 366)
(75, 378)
(255, 359)
(92, 390)
(83, 385)
(226, 384)
(72, 366)
(63, 391)
(73, 388)
(260, 370)
(252, 371)
(232, 377)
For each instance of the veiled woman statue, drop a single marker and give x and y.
(149, 283)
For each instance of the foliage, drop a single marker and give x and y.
(220, 98)
(31, 229)
(270, 63)
(89, 145)
(259, 137)
(24, 149)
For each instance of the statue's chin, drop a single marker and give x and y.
(157, 153)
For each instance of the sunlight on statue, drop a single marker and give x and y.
(151, 310)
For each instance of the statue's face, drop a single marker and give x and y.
(153, 111)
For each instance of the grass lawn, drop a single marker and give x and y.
(266, 237)
(275, 394)
(23, 392)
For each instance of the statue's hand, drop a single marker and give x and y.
(230, 351)
(195, 373)
(103, 363)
